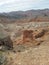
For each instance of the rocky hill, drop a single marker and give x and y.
(23, 16)
(24, 44)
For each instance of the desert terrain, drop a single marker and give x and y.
(24, 43)
(24, 37)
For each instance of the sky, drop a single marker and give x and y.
(22, 5)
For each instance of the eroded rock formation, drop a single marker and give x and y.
(40, 33)
(6, 42)
(27, 35)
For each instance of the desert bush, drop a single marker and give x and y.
(19, 48)
(3, 58)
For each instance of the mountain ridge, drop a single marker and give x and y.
(42, 14)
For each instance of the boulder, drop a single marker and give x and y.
(40, 34)
(7, 42)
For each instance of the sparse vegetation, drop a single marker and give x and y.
(3, 58)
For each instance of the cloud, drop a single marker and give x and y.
(6, 2)
(14, 5)
(18, 1)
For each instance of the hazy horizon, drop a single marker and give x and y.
(23, 5)
(23, 10)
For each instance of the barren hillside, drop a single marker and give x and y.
(24, 43)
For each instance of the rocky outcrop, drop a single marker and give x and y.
(6, 42)
(40, 34)
(27, 35)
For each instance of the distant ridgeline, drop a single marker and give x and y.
(26, 16)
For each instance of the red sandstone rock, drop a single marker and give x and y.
(27, 35)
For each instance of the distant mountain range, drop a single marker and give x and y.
(31, 15)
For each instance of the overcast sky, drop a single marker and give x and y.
(15, 5)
